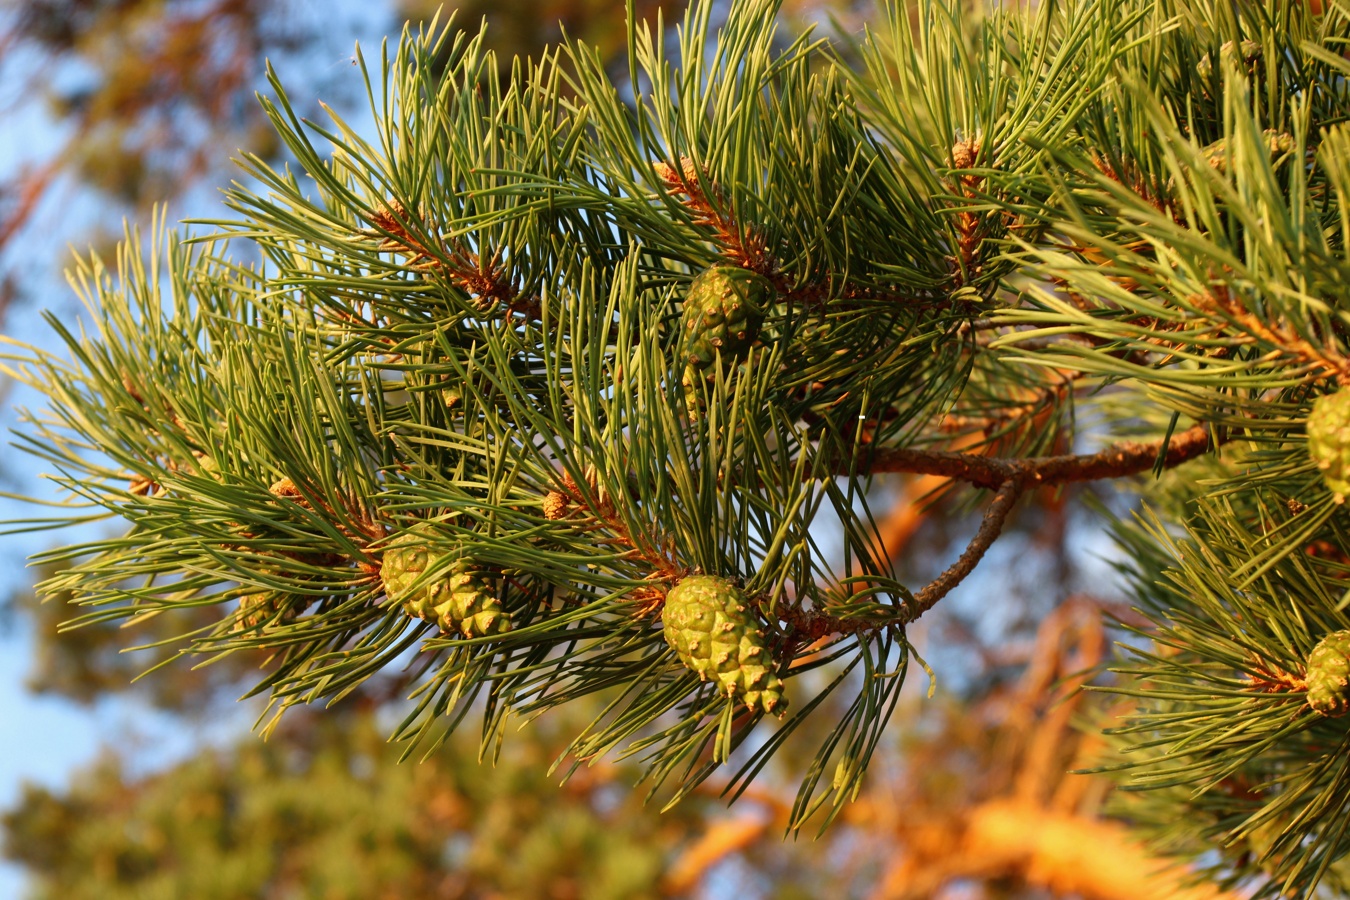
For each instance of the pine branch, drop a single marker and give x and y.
(1120, 460)
(991, 526)
(487, 281)
(745, 246)
(352, 395)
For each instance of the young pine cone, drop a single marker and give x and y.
(1328, 675)
(268, 607)
(1328, 428)
(723, 311)
(710, 623)
(458, 600)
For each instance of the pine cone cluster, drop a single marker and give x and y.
(458, 601)
(710, 623)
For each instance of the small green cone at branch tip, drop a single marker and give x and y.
(712, 626)
(723, 311)
(1328, 675)
(459, 601)
(1328, 428)
(265, 606)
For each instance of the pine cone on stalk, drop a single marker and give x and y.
(712, 626)
(459, 601)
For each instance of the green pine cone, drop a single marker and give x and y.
(1328, 428)
(405, 559)
(710, 623)
(263, 607)
(723, 311)
(1328, 675)
(469, 606)
(460, 601)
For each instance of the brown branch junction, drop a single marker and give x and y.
(1008, 478)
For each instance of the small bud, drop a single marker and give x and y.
(285, 488)
(963, 154)
(556, 505)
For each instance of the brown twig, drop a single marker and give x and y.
(990, 528)
(1269, 678)
(1009, 478)
(579, 497)
(1117, 461)
(486, 280)
(808, 626)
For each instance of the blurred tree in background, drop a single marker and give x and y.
(324, 810)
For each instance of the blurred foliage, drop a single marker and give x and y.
(518, 28)
(151, 90)
(326, 811)
(154, 95)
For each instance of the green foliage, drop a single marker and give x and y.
(468, 326)
(342, 398)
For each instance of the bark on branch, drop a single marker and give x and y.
(990, 528)
(1009, 478)
(1117, 461)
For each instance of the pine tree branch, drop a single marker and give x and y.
(745, 246)
(1117, 461)
(486, 281)
(1010, 478)
(747, 250)
(1219, 302)
(990, 528)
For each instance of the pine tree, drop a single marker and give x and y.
(479, 373)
